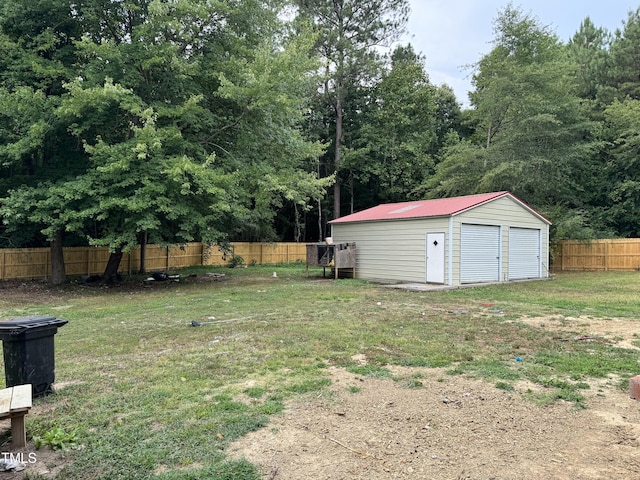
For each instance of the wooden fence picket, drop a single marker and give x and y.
(620, 254)
(33, 263)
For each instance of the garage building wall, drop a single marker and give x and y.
(507, 213)
(392, 250)
(395, 250)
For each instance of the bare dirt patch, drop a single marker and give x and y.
(449, 427)
(34, 292)
(620, 332)
(30, 292)
(32, 463)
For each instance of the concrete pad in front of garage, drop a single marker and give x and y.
(419, 287)
(430, 287)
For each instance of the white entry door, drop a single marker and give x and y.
(435, 257)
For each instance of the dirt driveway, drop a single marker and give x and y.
(453, 427)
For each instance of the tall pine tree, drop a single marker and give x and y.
(348, 33)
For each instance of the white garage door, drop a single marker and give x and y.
(479, 253)
(524, 253)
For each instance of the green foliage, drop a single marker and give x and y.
(582, 363)
(530, 116)
(369, 371)
(235, 261)
(532, 134)
(230, 470)
(165, 140)
(625, 59)
(309, 385)
(348, 33)
(392, 142)
(414, 383)
(588, 48)
(507, 387)
(458, 173)
(56, 438)
(623, 168)
(196, 120)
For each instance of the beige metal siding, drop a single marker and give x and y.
(391, 250)
(395, 250)
(507, 213)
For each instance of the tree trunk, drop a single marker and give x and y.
(352, 187)
(319, 220)
(336, 161)
(143, 253)
(110, 275)
(58, 273)
(297, 234)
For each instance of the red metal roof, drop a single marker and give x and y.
(440, 207)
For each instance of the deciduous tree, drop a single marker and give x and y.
(184, 119)
(537, 141)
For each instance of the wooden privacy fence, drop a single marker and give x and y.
(33, 263)
(597, 255)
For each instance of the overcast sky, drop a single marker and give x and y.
(455, 33)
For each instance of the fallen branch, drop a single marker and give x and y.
(353, 450)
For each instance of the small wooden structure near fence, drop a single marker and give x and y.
(34, 263)
(336, 256)
(621, 254)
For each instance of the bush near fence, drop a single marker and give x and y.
(35, 263)
(622, 254)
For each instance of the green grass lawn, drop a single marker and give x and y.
(147, 395)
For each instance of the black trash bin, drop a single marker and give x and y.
(29, 354)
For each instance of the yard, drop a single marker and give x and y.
(295, 377)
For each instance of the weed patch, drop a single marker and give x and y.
(373, 371)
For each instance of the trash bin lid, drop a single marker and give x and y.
(21, 324)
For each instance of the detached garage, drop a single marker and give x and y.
(490, 237)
